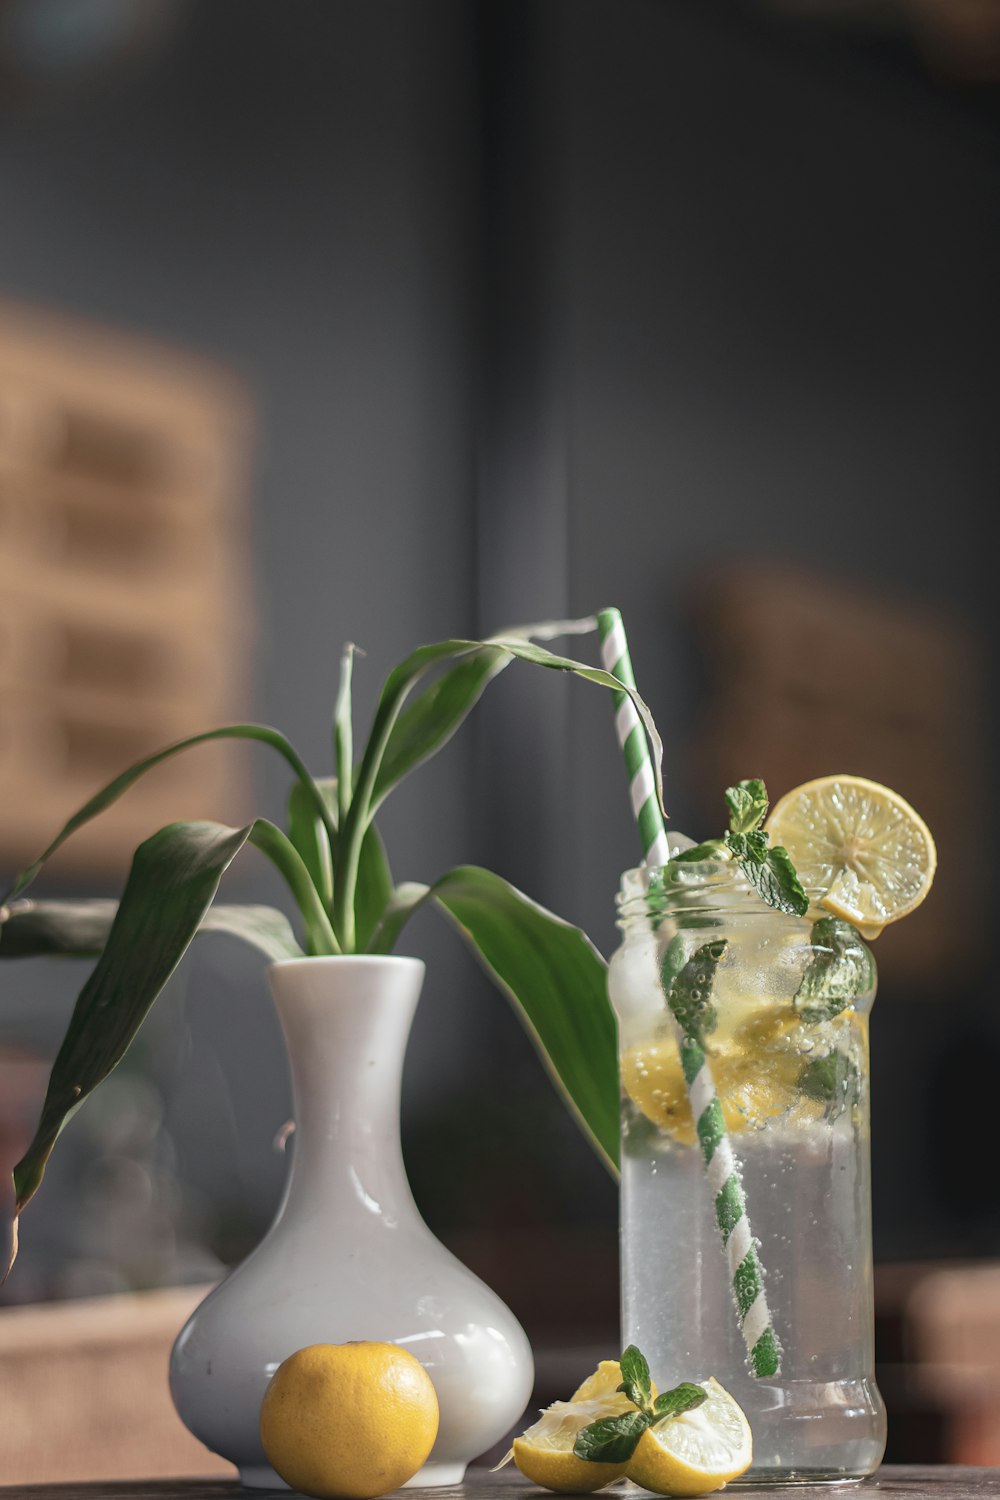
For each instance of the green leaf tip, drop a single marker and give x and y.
(747, 804)
(683, 1397)
(635, 1377)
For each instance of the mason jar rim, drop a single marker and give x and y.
(700, 892)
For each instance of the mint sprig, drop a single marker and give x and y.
(840, 970)
(768, 869)
(636, 1383)
(613, 1440)
(747, 803)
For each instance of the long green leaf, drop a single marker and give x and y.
(120, 784)
(343, 732)
(431, 721)
(79, 929)
(311, 836)
(270, 840)
(399, 684)
(174, 876)
(261, 927)
(375, 890)
(399, 909)
(556, 980)
(65, 929)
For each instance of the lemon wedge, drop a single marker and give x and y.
(697, 1452)
(859, 848)
(544, 1452)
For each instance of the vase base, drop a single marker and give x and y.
(436, 1474)
(263, 1477)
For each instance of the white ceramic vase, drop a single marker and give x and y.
(348, 1256)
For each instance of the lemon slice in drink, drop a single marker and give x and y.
(544, 1452)
(755, 1070)
(859, 844)
(697, 1452)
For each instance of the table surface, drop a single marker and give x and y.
(944, 1482)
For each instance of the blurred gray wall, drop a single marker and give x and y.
(544, 305)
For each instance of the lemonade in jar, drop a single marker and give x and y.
(742, 989)
(780, 1004)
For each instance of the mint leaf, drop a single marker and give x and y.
(831, 1080)
(683, 1397)
(710, 849)
(840, 970)
(747, 803)
(635, 1377)
(612, 1440)
(690, 994)
(769, 871)
(780, 884)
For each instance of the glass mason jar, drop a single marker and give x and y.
(782, 1007)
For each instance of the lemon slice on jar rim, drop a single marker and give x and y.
(859, 848)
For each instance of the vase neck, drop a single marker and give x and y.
(346, 1023)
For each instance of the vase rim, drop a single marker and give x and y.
(365, 959)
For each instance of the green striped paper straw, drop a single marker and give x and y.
(632, 739)
(721, 1167)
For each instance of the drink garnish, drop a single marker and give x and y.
(613, 1440)
(840, 970)
(866, 855)
(768, 867)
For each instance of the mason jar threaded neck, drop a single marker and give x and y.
(696, 888)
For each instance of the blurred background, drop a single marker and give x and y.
(387, 323)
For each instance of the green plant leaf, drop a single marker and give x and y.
(374, 892)
(557, 982)
(611, 1440)
(310, 834)
(404, 901)
(635, 1377)
(343, 733)
(79, 929)
(833, 1081)
(400, 682)
(174, 877)
(552, 974)
(64, 929)
(261, 927)
(120, 784)
(840, 971)
(683, 1397)
(431, 721)
(689, 991)
(770, 871)
(747, 804)
(710, 849)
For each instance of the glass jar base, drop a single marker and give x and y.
(758, 1478)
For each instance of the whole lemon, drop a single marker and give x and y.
(348, 1421)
